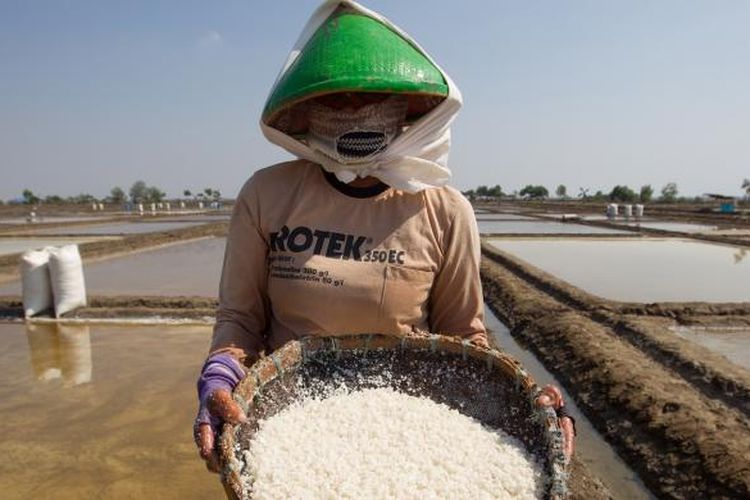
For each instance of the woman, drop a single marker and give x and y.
(358, 235)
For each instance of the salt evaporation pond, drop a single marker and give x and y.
(591, 448)
(190, 268)
(52, 219)
(732, 343)
(101, 412)
(510, 217)
(198, 218)
(10, 245)
(120, 228)
(679, 227)
(640, 270)
(540, 227)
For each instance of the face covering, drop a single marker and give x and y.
(355, 136)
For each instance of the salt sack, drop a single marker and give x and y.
(35, 282)
(379, 443)
(66, 274)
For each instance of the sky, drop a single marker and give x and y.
(588, 94)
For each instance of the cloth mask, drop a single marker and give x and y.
(356, 137)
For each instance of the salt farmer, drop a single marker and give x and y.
(360, 233)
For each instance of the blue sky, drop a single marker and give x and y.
(96, 94)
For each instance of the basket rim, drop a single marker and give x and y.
(295, 352)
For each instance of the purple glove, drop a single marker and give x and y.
(220, 375)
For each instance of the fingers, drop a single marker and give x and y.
(550, 396)
(481, 341)
(222, 406)
(206, 439)
(568, 429)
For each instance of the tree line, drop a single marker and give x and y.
(620, 193)
(139, 192)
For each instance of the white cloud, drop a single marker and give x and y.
(210, 39)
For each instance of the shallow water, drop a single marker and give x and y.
(101, 412)
(642, 270)
(540, 227)
(510, 217)
(591, 448)
(120, 228)
(191, 268)
(732, 343)
(9, 245)
(53, 218)
(681, 227)
(198, 217)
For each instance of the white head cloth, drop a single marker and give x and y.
(417, 159)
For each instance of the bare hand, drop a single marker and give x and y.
(222, 408)
(552, 397)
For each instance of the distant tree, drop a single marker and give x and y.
(622, 194)
(29, 198)
(117, 195)
(208, 192)
(495, 191)
(138, 192)
(187, 193)
(647, 193)
(534, 192)
(561, 191)
(746, 186)
(217, 194)
(482, 191)
(80, 199)
(53, 199)
(154, 194)
(599, 196)
(669, 192)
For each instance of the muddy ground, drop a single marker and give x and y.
(677, 413)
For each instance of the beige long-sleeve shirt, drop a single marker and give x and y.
(304, 258)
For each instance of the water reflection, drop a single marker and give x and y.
(740, 255)
(60, 351)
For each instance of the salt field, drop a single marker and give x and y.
(101, 412)
(591, 448)
(540, 227)
(731, 342)
(679, 227)
(511, 217)
(642, 270)
(11, 245)
(51, 219)
(192, 268)
(119, 228)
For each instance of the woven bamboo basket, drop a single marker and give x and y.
(487, 385)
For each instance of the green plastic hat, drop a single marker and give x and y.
(351, 52)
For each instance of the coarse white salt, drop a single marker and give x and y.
(379, 443)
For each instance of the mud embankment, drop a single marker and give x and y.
(707, 371)
(682, 442)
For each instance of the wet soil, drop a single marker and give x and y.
(684, 441)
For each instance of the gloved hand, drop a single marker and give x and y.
(552, 397)
(220, 375)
